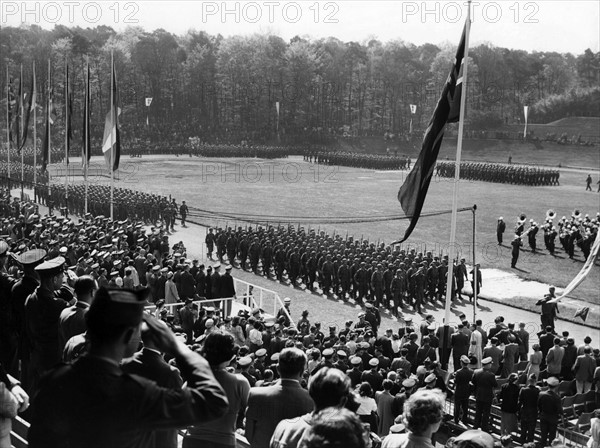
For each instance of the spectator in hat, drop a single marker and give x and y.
(367, 411)
(484, 382)
(554, 358)
(67, 412)
(128, 280)
(42, 314)
(227, 290)
(149, 363)
(509, 405)
(284, 313)
(72, 319)
(423, 413)
(527, 408)
(267, 406)
(550, 411)
(372, 376)
(569, 358)
(336, 427)
(22, 289)
(511, 352)
(219, 351)
(328, 388)
(462, 391)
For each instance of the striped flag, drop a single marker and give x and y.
(414, 190)
(111, 143)
(46, 145)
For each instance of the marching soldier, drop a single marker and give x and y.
(500, 228)
(516, 248)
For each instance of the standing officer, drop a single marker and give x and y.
(550, 409)
(484, 382)
(549, 309)
(500, 228)
(42, 313)
(183, 211)
(462, 391)
(528, 410)
(516, 248)
(67, 410)
(210, 242)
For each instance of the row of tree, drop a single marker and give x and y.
(228, 88)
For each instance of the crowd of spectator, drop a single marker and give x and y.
(74, 290)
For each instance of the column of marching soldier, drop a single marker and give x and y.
(500, 173)
(347, 268)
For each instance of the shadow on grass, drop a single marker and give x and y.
(521, 270)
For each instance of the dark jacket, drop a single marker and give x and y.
(484, 383)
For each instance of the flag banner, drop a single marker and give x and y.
(49, 121)
(148, 102)
(414, 189)
(10, 103)
(86, 152)
(111, 143)
(16, 116)
(413, 108)
(277, 107)
(585, 270)
(30, 106)
(526, 112)
(582, 312)
(68, 113)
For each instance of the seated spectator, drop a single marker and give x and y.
(336, 427)
(423, 413)
(219, 352)
(329, 388)
(367, 410)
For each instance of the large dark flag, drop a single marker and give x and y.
(10, 103)
(86, 152)
(15, 132)
(30, 106)
(49, 121)
(68, 113)
(414, 190)
(111, 143)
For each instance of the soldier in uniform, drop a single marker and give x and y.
(516, 248)
(42, 313)
(210, 242)
(531, 234)
(344, 275)
(67, 411)
(549, 309)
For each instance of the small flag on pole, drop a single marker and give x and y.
(111, 143)
(414, 190)
(68, 113)
(582, 312)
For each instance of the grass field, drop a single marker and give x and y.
(291, 187)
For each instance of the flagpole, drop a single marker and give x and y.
(475, 269)
(34, 104)
(86, 131)
(112, 172)
(19, 137)
(49, 133)
(66, 138)
(461, 125)
(8, 126)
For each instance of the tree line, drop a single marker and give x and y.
(255, 87)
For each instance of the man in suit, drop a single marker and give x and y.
(554, 358)
(462, 391)
(528, 411)
(546, 343)
(72, 319)
(484, 382)
(494, 352)
(460, 346)
(68, 411)
(550, 410)
(523, 342)
(227, 290)
(267, 406)
(215, 281)
(149, 363)
(584, 371)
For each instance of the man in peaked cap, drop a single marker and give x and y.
(484, 382)
(550, 411)
(42, 312)
(22, 289)
(462, 390)
(66, 410)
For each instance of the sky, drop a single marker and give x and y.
(548, 25)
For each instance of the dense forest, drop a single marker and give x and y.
(227, 88)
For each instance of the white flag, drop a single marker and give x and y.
(277, 107)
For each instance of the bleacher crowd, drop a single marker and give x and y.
(74, 289)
